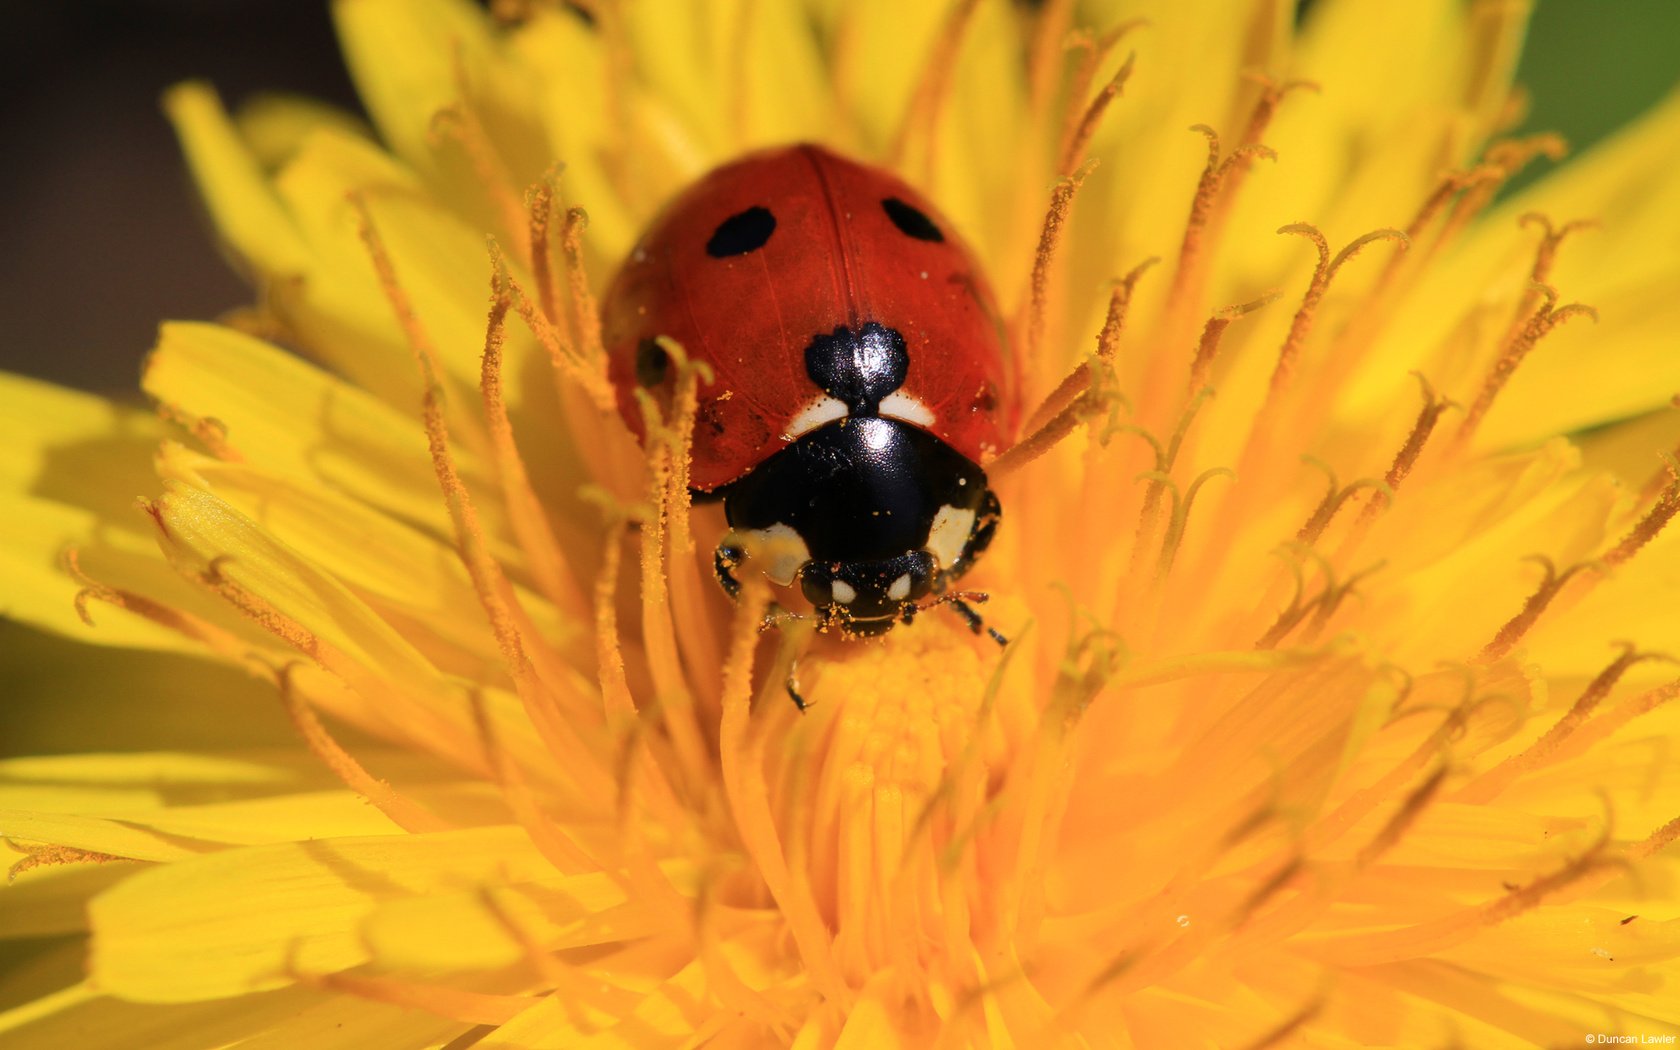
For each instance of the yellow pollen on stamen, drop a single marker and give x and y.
(406, 813)
(526, 514)
(460, 122)
(1661, 512)
(927, 102)
(48, 855)
(1031, 317)
(1546, 316)
(1551, 585)
(558, 718)
(1208, 346)
(1078, 137)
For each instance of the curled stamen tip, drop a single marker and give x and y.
(1564, 313)
(1231, 313)
(1079, 174)
(444, 121)
(1138, 271)
(1128, 26)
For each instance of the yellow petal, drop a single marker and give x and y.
(291, 1017)
(421, 578)
(410, 60)
(555, 913)
(64, 696)
(41, 592)
(670, 1013)
(249, 919)
(249, 217)
(274, 126)
(283, 414)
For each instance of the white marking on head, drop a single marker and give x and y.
(902, 406)
(948, 535)
(900, 588)
(843, 592)
(824, 409)
(779, 549)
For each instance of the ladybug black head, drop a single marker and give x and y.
(867, 597)
(869, 515)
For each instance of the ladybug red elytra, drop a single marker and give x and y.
(858, 378)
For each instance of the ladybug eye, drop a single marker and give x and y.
(741, 233)
(652, 362)
(911, 220)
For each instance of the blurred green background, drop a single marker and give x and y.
(1593, 65)
(100, 236)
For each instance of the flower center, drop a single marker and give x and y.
(884, 795)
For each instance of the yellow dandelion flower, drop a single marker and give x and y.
(1318, 552)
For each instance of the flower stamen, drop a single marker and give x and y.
(166, 616)
(439, 1000)
(507, 619)
(1551, 584)
(460, 123)
(1422, 427)
(404, 812)
(1078, 135)
(525, 510)
(1208, 346)
(1207, 206)
(1545, 318)
(1180, 517)
(927, 100)
(1659, 515)
(741, 759)
(1335, 497)
(1301, 324)
(555, 846)
(588, 317)
(1050, 44)
(667, 460)
(563, 354)
(49, 855)
(1079, 380)
(539, 207)
(1280, 1033)
(1411, 807)
(1429, 938)
(1049, 239)
(1488, 785)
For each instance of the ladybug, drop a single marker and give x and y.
(858, 379)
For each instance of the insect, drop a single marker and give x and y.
(858, 379)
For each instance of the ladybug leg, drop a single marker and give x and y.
(972, 618)
(724, 560)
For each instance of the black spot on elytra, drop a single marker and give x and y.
(911, 220)
(741, 233)
(653, 364)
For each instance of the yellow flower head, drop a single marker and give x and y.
(1336, 710)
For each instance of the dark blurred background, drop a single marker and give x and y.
(100, 236)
